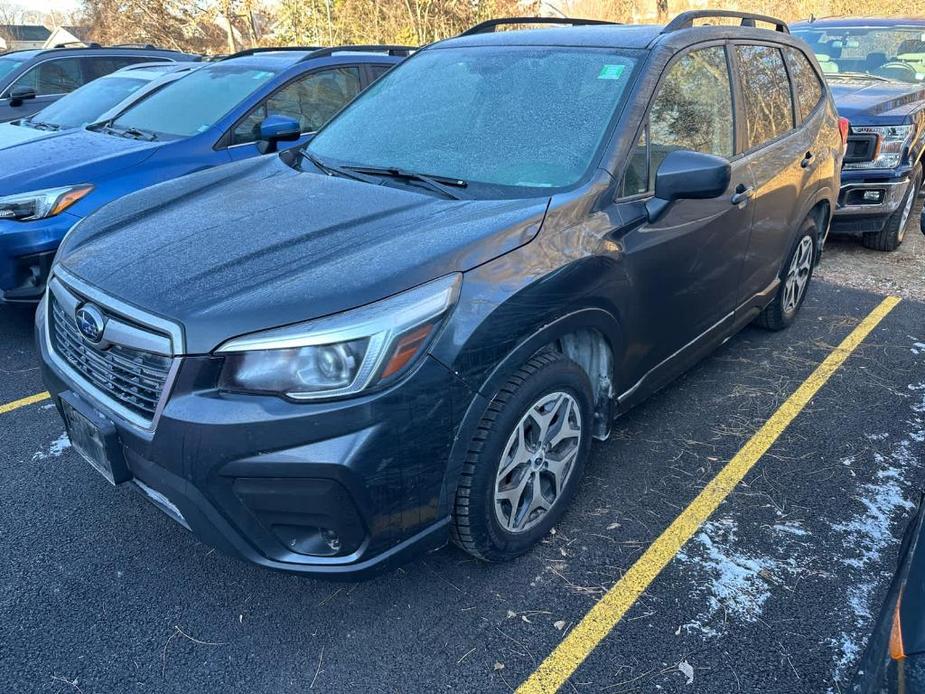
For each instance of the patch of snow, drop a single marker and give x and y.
(55, 449)
(791, 527)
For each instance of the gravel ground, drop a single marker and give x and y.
(901, 272)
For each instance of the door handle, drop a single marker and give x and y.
(807, 160)
(742, 194)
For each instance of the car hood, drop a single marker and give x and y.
(255, 245)
(858, 100)
(78, 156)
(11, 135)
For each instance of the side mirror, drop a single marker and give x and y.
(686, 175)
(275, 129)
(21, 94)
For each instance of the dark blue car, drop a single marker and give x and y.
(875, 68)
(224, 112)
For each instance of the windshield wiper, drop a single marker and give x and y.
(133, 133)
(39, 125)
(332, 170)
(440, 184)
(862, 75)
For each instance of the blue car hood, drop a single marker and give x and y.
(256, 244)
(12, 135)
(78, 156)
(866, 100)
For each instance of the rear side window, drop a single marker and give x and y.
(99, 66)
(805, 80)
(692, 110)
(53, 77)
(766, 92)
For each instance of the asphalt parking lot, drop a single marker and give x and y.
(100, 592)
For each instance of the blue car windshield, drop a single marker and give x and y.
(7, 65)
(896, 53)
(523, 120)
(194, 103)
(87, 104)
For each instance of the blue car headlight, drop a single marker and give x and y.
(41, 204)
(343, 354)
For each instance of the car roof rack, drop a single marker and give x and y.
(268, 49)
(685, 20)
(403, 51)
(489, 26)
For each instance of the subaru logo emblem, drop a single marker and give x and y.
(90, 322)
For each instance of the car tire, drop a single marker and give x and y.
(783, 309)
(894, 231)
(509, 495)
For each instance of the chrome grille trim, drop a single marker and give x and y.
(132, 376)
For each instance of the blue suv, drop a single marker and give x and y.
(233, 109)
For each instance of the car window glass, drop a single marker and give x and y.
(806, 81)
(693, 107)
(53, 77)
(7, 65)
(379, 70)
(100, 66)
(766, 93)
(194, 103)
(89, 102)
(636, 176)
(311, 101)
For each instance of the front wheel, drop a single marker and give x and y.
(894, 231)
(794, 280)
(525, 460)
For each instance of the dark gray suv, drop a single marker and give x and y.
(32, 79)
(410, 330)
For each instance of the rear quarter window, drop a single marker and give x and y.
(806, 80)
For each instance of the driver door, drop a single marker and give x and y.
(685, 267)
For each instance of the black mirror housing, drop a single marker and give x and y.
(687, 175)
(21, 94)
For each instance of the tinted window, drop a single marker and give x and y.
(806, 81)
(766, 92)
(636, 176)
(379, 70)
(693, 107)
(53, 77)
(517, 116)
(89, 102)
(7, 65)
(311, 100)
(194, 103)
(103, 66)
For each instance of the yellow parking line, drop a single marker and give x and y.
(590, 631)
(22, 402)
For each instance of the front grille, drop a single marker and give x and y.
(133, 378)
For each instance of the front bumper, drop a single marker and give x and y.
(26, 253)
(868, 198)
(268, 480)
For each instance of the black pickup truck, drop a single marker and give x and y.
(876, 69)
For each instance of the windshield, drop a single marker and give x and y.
(518, 117)
(7, 65)
(896, 53)
(88, 103)
(194, 103)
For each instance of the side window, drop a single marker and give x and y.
(379, 70)
(806, 80)
(692, 110)
(766, 92)
(311, 100)
(99, 66)
(53, 77)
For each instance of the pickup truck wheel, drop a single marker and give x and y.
(526, 459)
(891, 236)
(794, 280)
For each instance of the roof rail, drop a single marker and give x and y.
(136, 45)
(490, 26)
(685, 20)
(403, 51)
(267, 49)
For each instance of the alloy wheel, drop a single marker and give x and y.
(798, 275)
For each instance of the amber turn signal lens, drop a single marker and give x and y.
(896, 636)
(68, 199)
(405, 350)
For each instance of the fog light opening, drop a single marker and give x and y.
(331, 539)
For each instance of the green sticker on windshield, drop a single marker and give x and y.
(611, 72)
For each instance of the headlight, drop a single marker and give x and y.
(893, 140)
(342, 354)
(39, 204)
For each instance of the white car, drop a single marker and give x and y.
(97, 101)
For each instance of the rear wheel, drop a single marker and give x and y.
(894, 231)
(794, 280)
(525, 460)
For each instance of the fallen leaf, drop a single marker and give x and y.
(687, 671)
(560, 625)
(613, 526)
(511, 614)
(498, 666)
